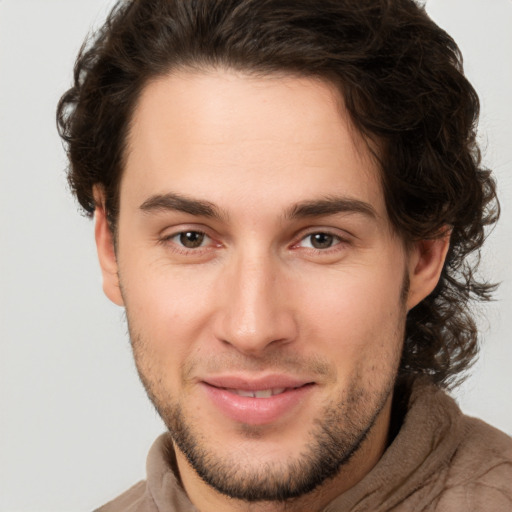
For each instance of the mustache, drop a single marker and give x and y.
(276, 362)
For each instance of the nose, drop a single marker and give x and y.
(254, 310)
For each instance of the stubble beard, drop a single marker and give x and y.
(332, 442)
(336, 435)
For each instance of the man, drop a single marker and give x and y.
(286, 195)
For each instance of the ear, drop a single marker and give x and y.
(106, 252)
(426, 260)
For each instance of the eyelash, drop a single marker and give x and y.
(181, 249)
(338, 242)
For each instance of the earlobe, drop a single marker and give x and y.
(426, 261)
(106, 251)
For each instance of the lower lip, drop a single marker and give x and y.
(257, 411)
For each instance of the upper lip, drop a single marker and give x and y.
(251, 383)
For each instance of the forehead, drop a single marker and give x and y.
(219, 134)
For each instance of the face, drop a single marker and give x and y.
(263, 284)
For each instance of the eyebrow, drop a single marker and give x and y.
(305, 209)
(330, 206)
(180, 203)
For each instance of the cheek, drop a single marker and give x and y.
(168, 309)
(357, 317)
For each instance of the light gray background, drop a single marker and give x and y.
(75, 424)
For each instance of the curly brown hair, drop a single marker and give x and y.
(402, 80)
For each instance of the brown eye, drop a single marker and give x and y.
(191, 239)
(322, 240)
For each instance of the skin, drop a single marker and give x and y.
(298, 274)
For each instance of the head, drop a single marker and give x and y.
(402, 118)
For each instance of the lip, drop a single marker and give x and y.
(253, 410)
(253, 383)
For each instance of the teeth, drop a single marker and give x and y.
(262, 393)
(243, 392)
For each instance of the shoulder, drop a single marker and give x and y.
(132, 500)
(479, 476)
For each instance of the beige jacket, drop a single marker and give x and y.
(440, 461)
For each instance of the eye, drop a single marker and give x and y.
(191, 239)
(320, 241)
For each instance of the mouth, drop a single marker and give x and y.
(261, 393)
(257, 403)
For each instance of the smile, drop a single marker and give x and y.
(256, 404)
(261, 393)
